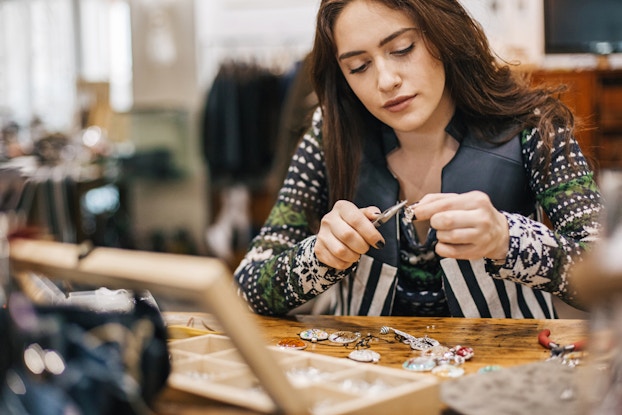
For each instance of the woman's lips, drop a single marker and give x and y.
(398, 104)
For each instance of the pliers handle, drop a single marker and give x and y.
(556, 349)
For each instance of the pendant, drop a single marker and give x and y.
(313, 335)
(416, 343)
(420, 364)
(292, 343)
(344, 337)
(364, 355)
(448, 371)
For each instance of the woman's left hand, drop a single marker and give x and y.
(467, 225)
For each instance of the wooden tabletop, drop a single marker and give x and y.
(495, 342)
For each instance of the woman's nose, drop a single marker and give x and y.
(388, 78)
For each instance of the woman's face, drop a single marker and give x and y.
(386, 63)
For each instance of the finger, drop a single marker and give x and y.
(338, 234)
(368, 231)
(457, 251)
(356, 229)
(430, 204)
(452, 219)
(458, 236)
(331, 251)
(332, 261)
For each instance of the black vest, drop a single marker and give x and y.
(496, 170)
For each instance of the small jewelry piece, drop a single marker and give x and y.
(416, 343)
(448, 371)
(364, 341)
(423, 343)
(466, 352)
(435, 352)
(409, 212)
(313, 335)
(489, 368)
(365, 355)
(419, 364)
(292, 343)
(344, 337)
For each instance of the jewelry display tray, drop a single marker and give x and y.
(235, 368)
(210, 366)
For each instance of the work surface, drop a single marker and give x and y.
(495, 342)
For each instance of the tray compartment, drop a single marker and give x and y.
(206, 368)
(202, 345)
(239, 387)
(309, 369)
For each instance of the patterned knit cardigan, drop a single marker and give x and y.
(280, 272)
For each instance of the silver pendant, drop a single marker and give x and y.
(416, 343)
(313, 335)
(344, 337)
(365, 355)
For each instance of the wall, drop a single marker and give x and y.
(277, 33)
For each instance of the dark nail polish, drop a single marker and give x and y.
(379, 245)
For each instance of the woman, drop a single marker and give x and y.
(414, 106)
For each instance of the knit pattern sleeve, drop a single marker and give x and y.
(542, 257)
(280, 270)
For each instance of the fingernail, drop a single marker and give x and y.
(379, 245)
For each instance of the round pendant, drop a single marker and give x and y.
(419, 364)
(364, 356)
(344, 337)
(313, 335)
(291, 343)
(448, 371)
(423, 343)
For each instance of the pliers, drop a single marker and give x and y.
(389, 213)
(556, 349)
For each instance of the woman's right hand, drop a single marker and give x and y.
(347, 232)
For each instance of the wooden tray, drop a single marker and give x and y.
(210, 366)
(235, 368)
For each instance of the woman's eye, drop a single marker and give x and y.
(404, 51)
(358, 69)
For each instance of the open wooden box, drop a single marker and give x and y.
(235, 368)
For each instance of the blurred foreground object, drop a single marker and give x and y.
(599, 279)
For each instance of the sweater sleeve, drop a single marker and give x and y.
(542, 257)
(280, 270)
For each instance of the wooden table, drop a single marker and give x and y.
(502, 342)
(205, 283)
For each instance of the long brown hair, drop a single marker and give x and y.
(493, 99)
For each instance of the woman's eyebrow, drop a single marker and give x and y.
(395, 34)
(383, 42)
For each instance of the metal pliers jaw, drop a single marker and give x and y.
(389, 213)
